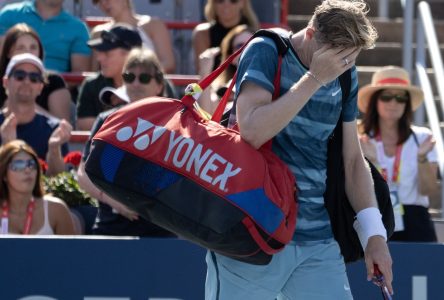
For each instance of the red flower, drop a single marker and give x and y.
(43, 165)
(73, 158)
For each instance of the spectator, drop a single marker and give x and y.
(405, 154)
(221, 16)
(232, 42)
(55, 98)
(143, 77)
(154, 33)
(63, 36)
(23, 82)
(24, 207)
(112, 48)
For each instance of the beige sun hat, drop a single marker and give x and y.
(389, 77)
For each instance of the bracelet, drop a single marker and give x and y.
(368, 223)
(310, 74)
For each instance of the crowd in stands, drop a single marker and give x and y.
(130, 56)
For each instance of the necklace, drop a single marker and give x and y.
(28, 220)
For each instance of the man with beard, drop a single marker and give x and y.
(23, 82)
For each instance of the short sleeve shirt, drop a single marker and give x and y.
(61, 35)
(88, 102)
(302, 144)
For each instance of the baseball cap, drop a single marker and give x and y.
(119, 36)
(106, 93)
(24, 58)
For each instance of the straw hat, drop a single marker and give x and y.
(390, 77)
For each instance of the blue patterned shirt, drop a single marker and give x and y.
(302, 144)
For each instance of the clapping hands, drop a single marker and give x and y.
(61, 135)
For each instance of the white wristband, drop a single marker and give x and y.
(369, 223)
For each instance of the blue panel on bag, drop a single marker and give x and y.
(153, 178)
(110, 161)
(256, 204)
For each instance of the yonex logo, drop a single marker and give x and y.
(142, 143)
(182, 152)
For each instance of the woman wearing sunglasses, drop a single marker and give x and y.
(153, 31)
(221, 16)
(404, 153)
(24, 207)
(55, 98)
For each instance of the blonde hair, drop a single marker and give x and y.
(343, 23)
(247, 12)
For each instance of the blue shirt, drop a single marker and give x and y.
(302, 144)
(61, 35)
(36, 133)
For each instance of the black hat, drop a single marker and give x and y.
(117, 37)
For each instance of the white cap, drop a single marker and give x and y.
(24, 58)
(106, 92)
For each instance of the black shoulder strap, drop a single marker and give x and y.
(345, 81)
(281, 45)
(415, 138)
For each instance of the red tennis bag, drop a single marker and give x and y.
(195, 178)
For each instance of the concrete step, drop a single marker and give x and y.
(388, 30)
(306, 7)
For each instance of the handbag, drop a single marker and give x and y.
(196, 178)
(342, 215)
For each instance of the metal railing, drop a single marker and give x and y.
(426, 35)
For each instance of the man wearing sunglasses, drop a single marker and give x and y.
(23, 82)
(300, 122)
(112, 48)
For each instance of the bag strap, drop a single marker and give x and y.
(345, 82)
(282, 45)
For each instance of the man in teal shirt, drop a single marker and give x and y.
(63, 36)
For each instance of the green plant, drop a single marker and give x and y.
(65, 186)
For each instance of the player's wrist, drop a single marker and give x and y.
(368, 224)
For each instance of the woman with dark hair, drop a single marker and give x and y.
(153, 31)
(24, 207)
(221, 16)
(404, 153)
(55, 98)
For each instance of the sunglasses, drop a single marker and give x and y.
(222, 1)
(398, 98)
(21, 75)
(20, 165)
(144, 78)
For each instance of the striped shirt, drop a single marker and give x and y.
(302, 144)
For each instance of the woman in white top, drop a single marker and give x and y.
(23, 207)
(153, 31)
(405, 154)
